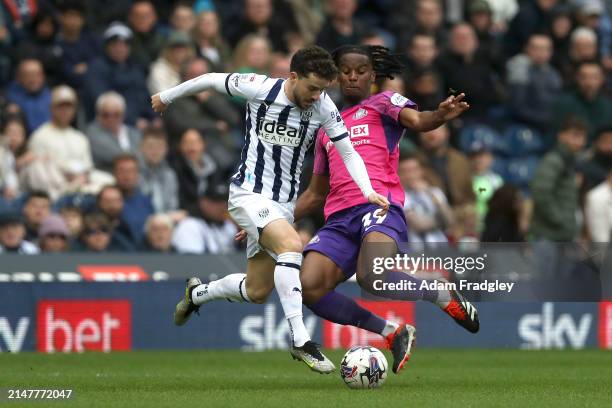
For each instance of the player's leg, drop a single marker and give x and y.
(381, 242)
(282, 239)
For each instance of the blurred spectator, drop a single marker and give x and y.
(466, 70)
(502, 222)
(428, 19)
(445, 167)
(53, 234)
(165, 71)
(587, 100)
(480, 16)
(280, 66)
(533, 16)
(594, 164)
(211, 232)
(560, 28)
(340, 26)
(79, 46)
(598, 211)
(73, 217)
(19, 15)
(13, 134)
(533, 84)
(259, 19)
(554, 186)
(97, 235)
(116, 71)
(40, 44)
(148, 40)
(253, 54)
(137, 207)
(12, 235)
(425, 89)
(421, 56)
(582, 48)
(62, 152)
(100, 13)
(211, 113)
(426, 207)
(36, 208)
(29, 91)
(159, 229)
(108, 135)
(484, 180)
(9, 182)
(110, 203)
(209, 41)
(157, 179)
(5, 57)
(183, 18)
(194, 169)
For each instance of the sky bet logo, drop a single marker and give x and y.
(279, 134)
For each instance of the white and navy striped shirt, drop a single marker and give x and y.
(278, 134)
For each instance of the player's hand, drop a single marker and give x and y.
(240, 236)
(452, 107)
(157, 104)
(379, 200)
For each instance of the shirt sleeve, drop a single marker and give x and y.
(332, 122)
(321, 164)
(391, 104)
(244, 85)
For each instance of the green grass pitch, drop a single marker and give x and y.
(433, 377)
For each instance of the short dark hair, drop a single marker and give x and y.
(573, 122)
(314, 60)
(607, 128)
(38, 194)
(124, 157)
(104, 189)
(154, 132)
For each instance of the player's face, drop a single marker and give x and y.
(308, 89)
(356, 76)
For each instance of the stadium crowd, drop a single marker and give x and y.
(85, 165)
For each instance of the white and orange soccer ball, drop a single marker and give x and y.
(364, 367)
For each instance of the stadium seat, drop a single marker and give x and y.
(523, 141)
(520, 171)
(481, 133)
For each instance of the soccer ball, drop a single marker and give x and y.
(364, 367)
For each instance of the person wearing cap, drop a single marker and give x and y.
(61, 146)
(79, 46)
(12, 235)
(480, 16)
(115, 70)
(53, 234)
(165, 71)
(212, 232)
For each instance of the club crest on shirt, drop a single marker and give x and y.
(361, 113)
(306, 115)
(314, 240)
(263, 213)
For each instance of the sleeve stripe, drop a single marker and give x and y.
(337, 138)
(227, 84)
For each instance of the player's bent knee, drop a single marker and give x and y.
(258, 296)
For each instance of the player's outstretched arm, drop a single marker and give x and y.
(425, 121)
(160, 101)
(313, 197)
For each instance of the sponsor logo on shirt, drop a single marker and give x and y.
(263, 213)
(398, 100)
(361, 113)
(279, 134)
(245, 78)
(359, 131)
(314, 240)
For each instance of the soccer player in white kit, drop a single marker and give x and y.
(282, 119)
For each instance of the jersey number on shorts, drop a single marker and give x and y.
(378, 219)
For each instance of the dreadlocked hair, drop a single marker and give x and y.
(385, 64)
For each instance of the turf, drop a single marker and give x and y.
(433, 377)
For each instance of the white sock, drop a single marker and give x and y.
(232, 287)
(289, 288)
(390, 327)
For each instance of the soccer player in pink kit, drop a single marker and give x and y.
(340, 248)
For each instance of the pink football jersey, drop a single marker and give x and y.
(375, 132)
